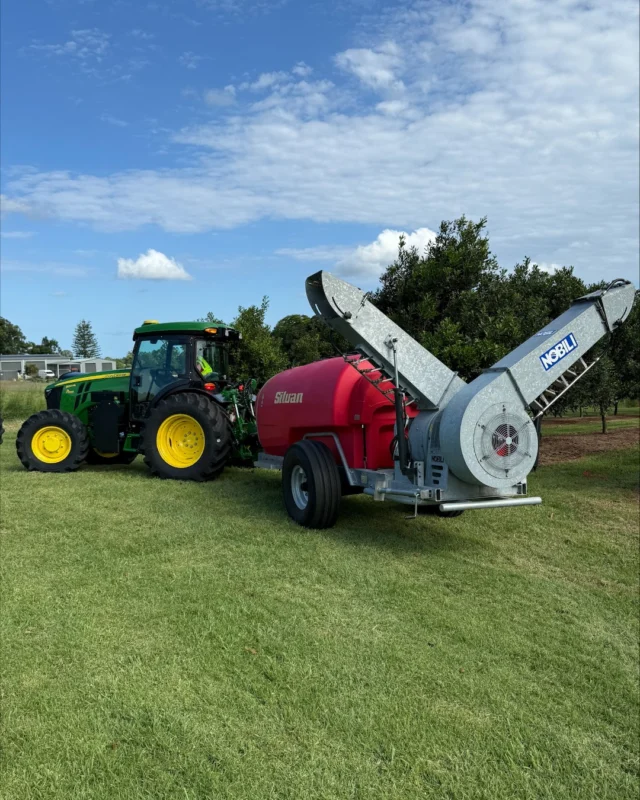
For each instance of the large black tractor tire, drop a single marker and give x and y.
(311, 485)
(52, 441)
(187, 437)
(96, 457)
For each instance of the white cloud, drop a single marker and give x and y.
(190, 60)
(265, 81)
(302, 70)
(366, 261)
(539, 132)
(377, 69)
(138, 33)
(119, 123)
(17, 234)
(84, 45)
(549, 268)
(10, 205)
(220, 97)
(152, 265)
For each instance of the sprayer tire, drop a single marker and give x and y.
(321, 485)
(213, 438)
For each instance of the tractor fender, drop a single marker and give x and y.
(186, 387)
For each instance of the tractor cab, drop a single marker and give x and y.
(178, 356)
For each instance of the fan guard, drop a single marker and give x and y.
(504, 441)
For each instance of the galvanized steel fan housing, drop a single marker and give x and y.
(504, 442)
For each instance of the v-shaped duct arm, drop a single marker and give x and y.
(345, 308)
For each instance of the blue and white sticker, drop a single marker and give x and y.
(559, 351)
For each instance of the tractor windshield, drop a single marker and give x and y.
(212, 358)
(158, 362)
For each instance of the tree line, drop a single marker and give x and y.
(457, 301)
(13, 342)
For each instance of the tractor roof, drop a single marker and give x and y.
(211, 328)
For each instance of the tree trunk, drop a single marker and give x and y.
(580, 410)
(603, 417)
(615, 409)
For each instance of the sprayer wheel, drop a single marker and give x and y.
(311, 485)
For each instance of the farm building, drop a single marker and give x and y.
(13, 367)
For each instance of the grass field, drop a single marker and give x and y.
(172, 640)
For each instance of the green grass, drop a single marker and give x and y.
(173, 640)
(591, 426)
(20, 399)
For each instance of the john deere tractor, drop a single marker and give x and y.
(175, 406)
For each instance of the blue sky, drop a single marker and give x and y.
(165, 159)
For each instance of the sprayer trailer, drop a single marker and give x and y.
(394, 422)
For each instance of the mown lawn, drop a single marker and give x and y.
(553, 428)
(172, 640)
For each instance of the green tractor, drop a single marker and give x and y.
(175, 406)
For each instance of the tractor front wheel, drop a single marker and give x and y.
(311, 485)
(187, 437)
(52, 441)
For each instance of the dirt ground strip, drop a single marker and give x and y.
(561, 447)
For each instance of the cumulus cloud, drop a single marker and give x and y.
(377, 69)
(302, 70)
(265, 81)
(153, 266)
(366, 261)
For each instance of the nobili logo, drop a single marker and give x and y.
(288, 397)
(558, 351)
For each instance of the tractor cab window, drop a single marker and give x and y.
(211, 360)
(157, 363)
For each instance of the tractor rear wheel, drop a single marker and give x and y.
(311, 485)
(187, 437)
(52, 441)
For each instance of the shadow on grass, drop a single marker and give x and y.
(361, 521)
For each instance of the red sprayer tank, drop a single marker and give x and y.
(328, 397)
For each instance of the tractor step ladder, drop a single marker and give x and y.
(561, 386)
(357, 359)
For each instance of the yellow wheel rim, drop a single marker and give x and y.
(180, 441)
(51, 444)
